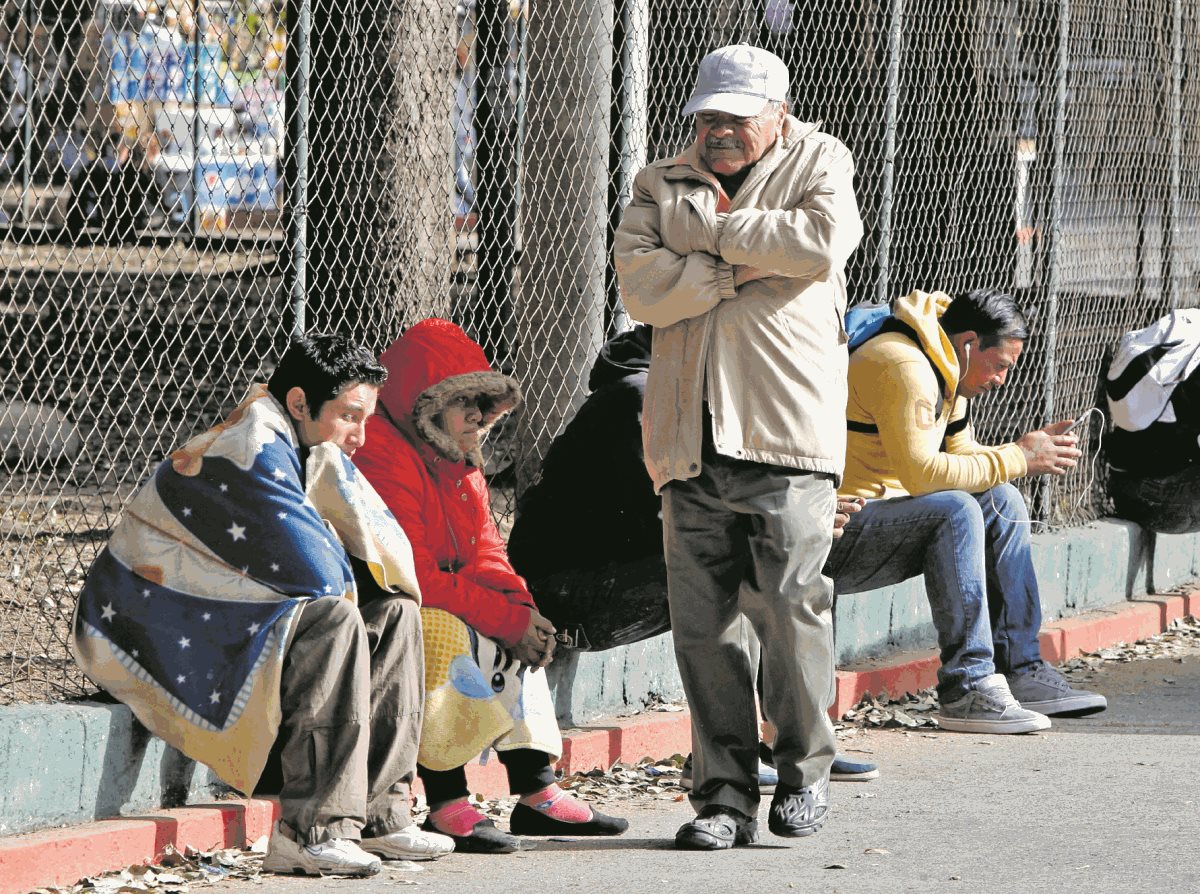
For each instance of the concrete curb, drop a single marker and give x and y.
(1060, 639)
(63, 856)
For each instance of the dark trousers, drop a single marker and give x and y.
(745, 543)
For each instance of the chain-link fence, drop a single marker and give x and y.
(184, 183)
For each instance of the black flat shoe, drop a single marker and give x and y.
(484, 838)
(527, 821)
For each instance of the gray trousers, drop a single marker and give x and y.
(352, 693)
(745, 544)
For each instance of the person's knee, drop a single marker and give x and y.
(1008, 502)
(331, 614)
(340, 627)
(393, 626)
(961, 525)
(395, 613)
(957, 507)
(338, 612)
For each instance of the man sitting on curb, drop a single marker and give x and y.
(938, 503)
(223, 610)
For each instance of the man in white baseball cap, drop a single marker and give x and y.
(734, 252)
(738, 80)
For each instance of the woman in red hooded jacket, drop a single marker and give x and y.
(422, 456)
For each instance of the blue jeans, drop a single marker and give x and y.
(974, 552)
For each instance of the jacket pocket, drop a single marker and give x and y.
(698, 223)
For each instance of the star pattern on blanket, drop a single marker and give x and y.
(259, 524)
(186, 614)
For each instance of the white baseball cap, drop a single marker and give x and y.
(738, 80)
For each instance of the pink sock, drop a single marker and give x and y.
(456, 818)
(557, 804)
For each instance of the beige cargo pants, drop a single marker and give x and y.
(352, 693)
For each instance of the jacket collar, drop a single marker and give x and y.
(688, 165)
(431, 457)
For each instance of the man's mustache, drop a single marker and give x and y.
(723, 144)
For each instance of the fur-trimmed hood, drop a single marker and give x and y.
(430, 365)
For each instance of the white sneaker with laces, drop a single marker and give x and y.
(335, 856)
(411, 843)
(990, 708)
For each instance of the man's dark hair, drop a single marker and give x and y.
(990, 313)
(322, 364)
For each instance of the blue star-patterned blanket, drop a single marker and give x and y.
(188, 611)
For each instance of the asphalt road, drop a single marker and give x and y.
(1101, 804)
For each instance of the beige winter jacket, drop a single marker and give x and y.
(746, 305)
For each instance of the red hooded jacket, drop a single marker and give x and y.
(438, 495)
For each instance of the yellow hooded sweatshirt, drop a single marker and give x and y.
(924, 443)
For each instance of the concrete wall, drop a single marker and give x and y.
(1078, 569)
(72, 763)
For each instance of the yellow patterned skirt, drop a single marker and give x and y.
(477, 696)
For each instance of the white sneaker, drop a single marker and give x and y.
(411, 843)
(336, 856)
(990, 708)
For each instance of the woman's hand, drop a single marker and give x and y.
(536, 646)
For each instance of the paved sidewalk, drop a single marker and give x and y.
(1106, 804)
(62, 856)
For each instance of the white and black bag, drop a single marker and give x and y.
(1153, 389)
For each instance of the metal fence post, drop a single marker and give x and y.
(27, 120)
(297, 230)
(888, 178)
(197, 90)
(630, 136)
(1175, 185)
(1054, 275)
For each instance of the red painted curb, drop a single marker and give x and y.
(913, 672)
(652, 734)
(1170, 608)
(63, 856)
(1095, 630)
(1061, 639)
(1191, 603)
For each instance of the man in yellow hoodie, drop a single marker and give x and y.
(939, 503)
